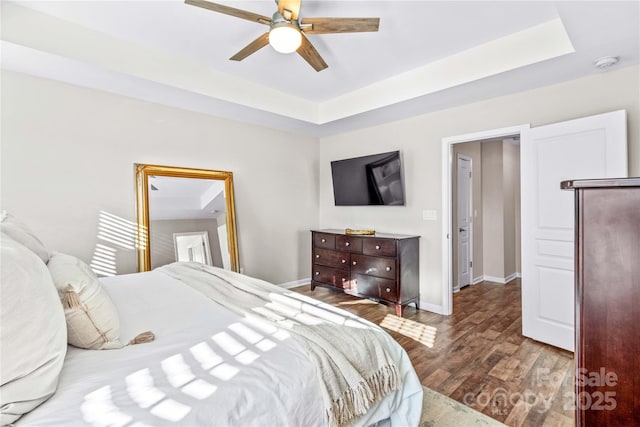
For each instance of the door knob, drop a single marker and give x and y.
(462, 229)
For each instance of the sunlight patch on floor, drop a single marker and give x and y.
(358, 302)
(424, 334)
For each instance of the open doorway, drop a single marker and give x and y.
(492, 241)
(486, 211)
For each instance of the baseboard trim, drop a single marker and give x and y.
(295, 283)
(477, 280)
(501, 280)
(434, 308)
(510, 277)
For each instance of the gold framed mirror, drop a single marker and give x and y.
(172, 200)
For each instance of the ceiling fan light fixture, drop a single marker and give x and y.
(285, 37)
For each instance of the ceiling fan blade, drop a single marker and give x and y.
(252, 47)
(311, 55)
(238, 13)
(293, 6)
(339, 25)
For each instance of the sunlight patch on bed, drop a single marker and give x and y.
(247, 357)
(265, 345)
(305, 299)
(142, 390)
(98, 409)
(228, 343)
(314, 312)
(267, 328)
(205, 355)
(170, 410)
(199, 389)
(419, 332)
(224, 371)
(252, 337)
(248, 334)
(177, 371)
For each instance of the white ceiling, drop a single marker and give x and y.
(427, 55)
(185, 198)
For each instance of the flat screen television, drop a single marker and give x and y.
(369, 180)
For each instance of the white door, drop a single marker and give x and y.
(464, 221)
(591, 147)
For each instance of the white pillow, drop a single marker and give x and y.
(33, 333)
(19, 232)
(92, 318)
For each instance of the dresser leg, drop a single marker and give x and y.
(417, 303)
(313, 286)
(399, 310)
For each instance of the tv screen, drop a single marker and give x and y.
(368, 180)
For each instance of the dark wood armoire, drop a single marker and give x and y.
(607, 267)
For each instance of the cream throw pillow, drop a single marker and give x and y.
(92, 318)
(33, 333)
(19, 232)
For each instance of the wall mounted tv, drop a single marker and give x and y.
(370, 180)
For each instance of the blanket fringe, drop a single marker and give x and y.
(357, 400)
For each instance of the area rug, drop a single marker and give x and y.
(440, 411)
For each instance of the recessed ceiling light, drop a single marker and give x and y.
(606, 62)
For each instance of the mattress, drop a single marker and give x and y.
(207, 366)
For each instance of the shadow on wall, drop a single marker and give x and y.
(114, 233)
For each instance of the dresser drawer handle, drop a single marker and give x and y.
(344, 280)
(347, 244)
(323, 240)
(378, 247)
(317, 273)
(388, 268)
(317, 256)
(354, 263)
(388, 289)
(344, 261)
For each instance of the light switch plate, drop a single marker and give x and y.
(430, 215)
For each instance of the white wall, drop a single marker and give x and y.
(493, 212)
(420, 140)
(68, 154)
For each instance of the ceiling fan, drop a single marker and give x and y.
(287, 33)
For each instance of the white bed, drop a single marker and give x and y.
(207, 366)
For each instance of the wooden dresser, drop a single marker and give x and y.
(383, 267)
(607, 266)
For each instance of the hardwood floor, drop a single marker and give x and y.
(478, 356)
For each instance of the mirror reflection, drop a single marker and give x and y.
(185, 215)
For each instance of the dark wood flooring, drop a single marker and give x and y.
(478, 355)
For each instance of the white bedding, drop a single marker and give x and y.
(207, 366)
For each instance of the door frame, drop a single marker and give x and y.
(447, 202)
(471, 222)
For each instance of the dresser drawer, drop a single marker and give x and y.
(349, 243)
(330, 275)
(374, 266)
(323, 240)
(331, 258)
(384, 247)
(375, 287)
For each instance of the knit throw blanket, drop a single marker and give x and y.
(352, 363)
